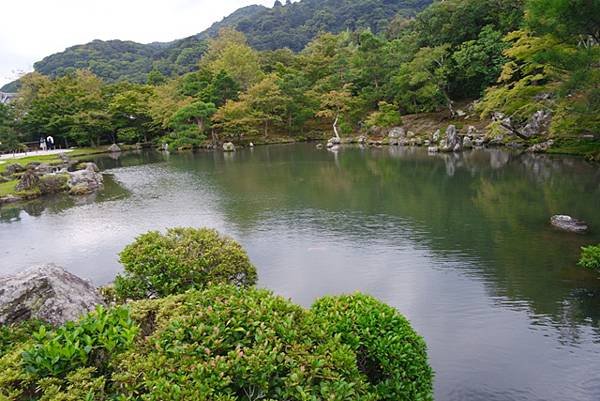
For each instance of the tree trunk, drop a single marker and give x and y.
(335, 130)
(200, 123)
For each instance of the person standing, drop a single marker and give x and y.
(42, 143)
(50, 142)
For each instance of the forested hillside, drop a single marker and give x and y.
(531, 66)
(292, 25)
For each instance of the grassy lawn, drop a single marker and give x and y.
(52, 158)
(8, 188)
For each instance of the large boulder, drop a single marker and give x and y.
(86, 181)
(13, 169)
(397, 133)
(114, 148)
(47, 293)
(53, 183)
(452, 141)
(333, 142)
(568, 223)
(537, 124)
(29, 181)
(228, 147)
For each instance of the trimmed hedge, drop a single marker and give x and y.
(590, 257)
(228, 343)
(158, 265)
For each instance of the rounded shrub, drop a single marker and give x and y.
(391, 355)
(158, 265)
(228, 343)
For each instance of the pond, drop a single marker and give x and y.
(459, 243)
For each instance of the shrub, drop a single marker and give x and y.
(389, 352)
(158, 265)
(225, 343)
(590, 257)
(228, 343)
(90, 342)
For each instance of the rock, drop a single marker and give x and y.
(427, 142)
(114, 148)
(410, 134)
(53, 183)
(451, 141)
(541, 147)
(333, 142)
(82, 182)
(479, 142)
(10, 199)
(228, 147)
(47, 293)
(397, 133)
(29, 180)
(13, 169)
(251, 145)
(433, 149)
(472, 132)
(319, 146)
(568, 223)
(362, 139)
(435, 138)
(394, 142)
(467, 143)
(537, 124)
(460, 113)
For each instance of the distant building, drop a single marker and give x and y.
(6, 97)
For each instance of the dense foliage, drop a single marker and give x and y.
(389, 353)
(224, 343)
(158, 265)
(515, 57)
(590, 257)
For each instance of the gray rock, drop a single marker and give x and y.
(397, 133)
(29, 180)
(48, 293)
(114, 148)
(433, 149)
(467, 142)
(86, 181)
(333, 142)
(228, 147)
(541, 147)
(568, 223)
(435, 138)
(538, 124)
(451, 141)
(13, 169)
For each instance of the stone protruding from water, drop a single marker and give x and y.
(228, 147)
(568, 223)
(48, 293)
(114, 148)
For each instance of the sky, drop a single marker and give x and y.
(33, 29)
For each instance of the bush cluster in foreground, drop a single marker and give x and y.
(217, 342)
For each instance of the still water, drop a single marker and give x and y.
(460, 244)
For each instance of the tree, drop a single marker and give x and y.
(130, 113)
(267, 102)
(334, 105)
(230, 53)
(422, 84)
(477, 63)
(10, 140)
(197, 113)
(387, 116)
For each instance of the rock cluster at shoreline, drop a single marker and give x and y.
(37, 179)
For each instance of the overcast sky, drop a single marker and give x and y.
(33, 29)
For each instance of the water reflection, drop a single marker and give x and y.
(460, 243)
